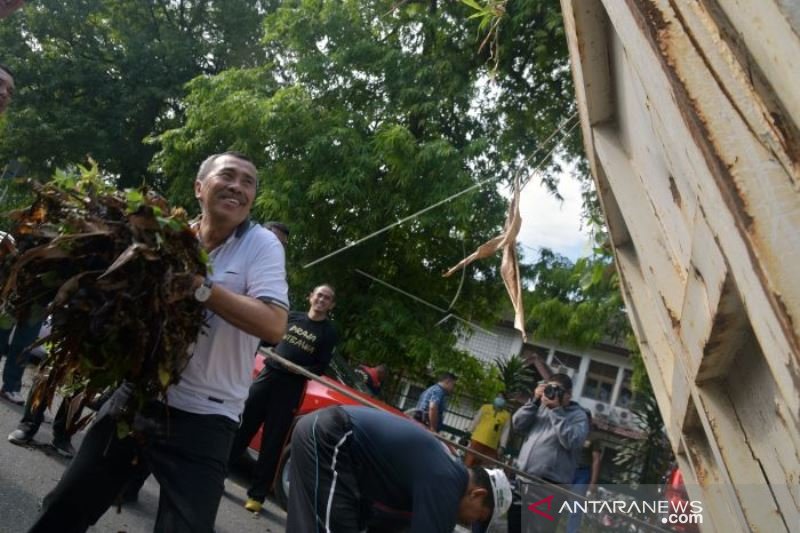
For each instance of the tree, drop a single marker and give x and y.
(518, 378)
(644, 461)
(365, 112)
(576, 304)
(98, 77)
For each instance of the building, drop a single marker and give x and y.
(601, 384)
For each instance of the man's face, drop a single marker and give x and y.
(561, 397)
(6, 90)
(449, 385)
(322, 300)
(472, 506)
(227, 192)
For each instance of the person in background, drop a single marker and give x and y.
(280, 230)
(32, 418)
(490, 430)
(14, 338)
(276, 392)
(555, 429)
(14, 343)
(432, 403)
(373, 378)
(9, 6)
(347, 459)
(586, 475)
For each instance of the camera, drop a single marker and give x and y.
(552, 392)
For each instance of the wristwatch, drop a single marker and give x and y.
(203, 292)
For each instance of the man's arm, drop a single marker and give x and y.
(433, 416)
(571, 433)
(506, 432)
(525, 417)
(263, 310)
(263, 320)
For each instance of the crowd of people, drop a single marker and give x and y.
(351, 465)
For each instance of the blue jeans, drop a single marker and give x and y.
(580, 484)
(24, 335)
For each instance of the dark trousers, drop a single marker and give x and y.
(32, 418)
(273, 400)
(523, 520)
(24, 335)
(324, 490)
(188, 457)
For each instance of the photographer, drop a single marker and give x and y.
(555, 429)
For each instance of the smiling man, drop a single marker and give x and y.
(185, 440)
(276, 393)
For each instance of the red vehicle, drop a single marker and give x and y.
(675, 493)
(316, 396)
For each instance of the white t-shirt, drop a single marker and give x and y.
(219, 374)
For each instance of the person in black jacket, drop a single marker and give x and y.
(276, 393)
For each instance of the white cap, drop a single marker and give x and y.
(501, 495)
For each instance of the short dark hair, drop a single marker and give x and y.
(280, 226)
(5, 67)
(333, 290)
(481, 478)
(562, 379)
(205, 166)
(447, 375)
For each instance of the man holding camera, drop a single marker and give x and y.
(555, 429)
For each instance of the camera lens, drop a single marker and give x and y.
(550, 392)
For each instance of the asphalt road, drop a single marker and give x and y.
(28, 473)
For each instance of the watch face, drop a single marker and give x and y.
(202, 293)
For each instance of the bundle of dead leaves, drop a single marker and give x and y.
(114, 271)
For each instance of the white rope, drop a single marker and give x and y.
(425, 302)
(437, 204)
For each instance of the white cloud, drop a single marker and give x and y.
(549, 223)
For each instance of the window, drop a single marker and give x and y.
(566, 359)
(625, 392)
(600, 379)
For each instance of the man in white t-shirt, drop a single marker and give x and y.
(191, 433)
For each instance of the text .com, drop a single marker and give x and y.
(670, 512)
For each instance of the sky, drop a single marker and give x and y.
(550, 223)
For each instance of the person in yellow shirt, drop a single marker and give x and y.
(490, 430)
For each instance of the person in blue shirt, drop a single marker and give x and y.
(433, 402)
(348, 459)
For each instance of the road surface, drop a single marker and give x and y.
(28, 473)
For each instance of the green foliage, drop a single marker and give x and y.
(357, 112)
(97, 77)
(575, 304)
(644, 461)
(356, 121)
(518, 378)
(114, 270)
